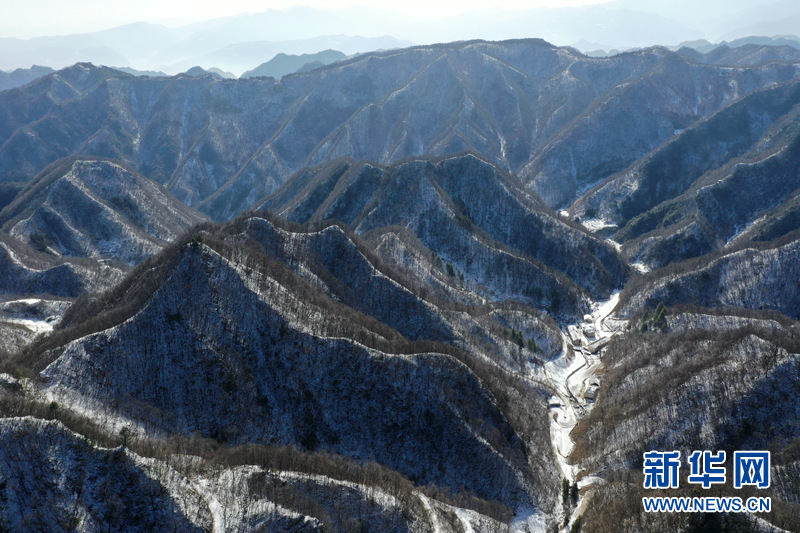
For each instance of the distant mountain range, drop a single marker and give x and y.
(221, 145)
(283, 64)
(232, 44)
(242, 42)
(20, 76)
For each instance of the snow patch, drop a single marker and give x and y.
(617, 246)
(434, 517)
(218, 525)
(35, 326)
(596, 224)
(23, 301)
(588, 481)
(528, 521)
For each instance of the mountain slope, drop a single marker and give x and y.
(745, 55)
(58, 480)
(21, 274)
(752, 276)
(696, 193)
(471, 214)
(97, 209)
(221, 339)
(704, 386)
(55, 480)
(81, 224)
(532, 108)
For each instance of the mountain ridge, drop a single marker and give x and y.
(470, 195)
(210, 275)
(226, 143)
(387, 326)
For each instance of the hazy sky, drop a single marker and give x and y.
(27, 18)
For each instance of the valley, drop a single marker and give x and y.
(576, 383)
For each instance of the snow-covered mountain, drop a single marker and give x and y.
(472, 214)
(97, 209)
(81, 224)
(260, 333)
(557, 119)
(389, 328)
